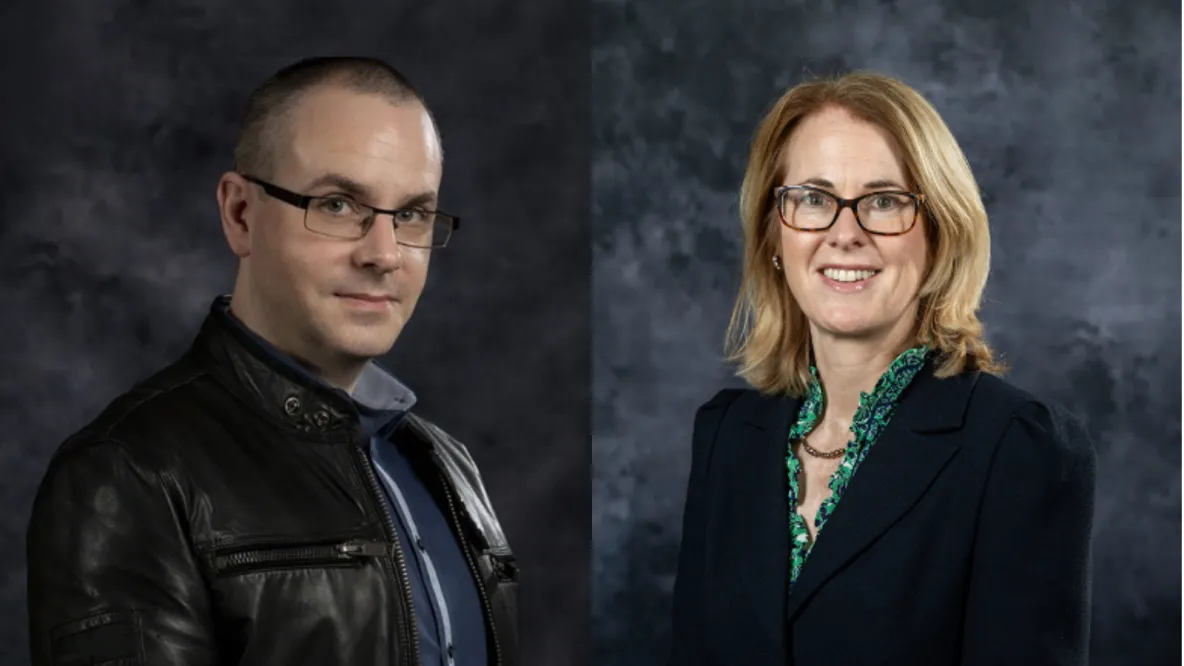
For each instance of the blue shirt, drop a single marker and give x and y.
(448, 607)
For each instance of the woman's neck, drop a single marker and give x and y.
(847, 367)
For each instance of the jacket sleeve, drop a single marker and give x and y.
(689, 617)
(111, 578)
(1029, 591)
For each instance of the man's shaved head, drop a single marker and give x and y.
(265, 127)
(342, 130)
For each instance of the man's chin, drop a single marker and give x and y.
(367, 349)
(363, 342)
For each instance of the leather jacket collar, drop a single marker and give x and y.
(284, 393)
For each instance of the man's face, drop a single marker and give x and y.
(361, 146)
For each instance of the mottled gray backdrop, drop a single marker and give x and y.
(118, 118)
(1070, 116)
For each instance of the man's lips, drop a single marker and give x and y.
(372, 298)
(368, 301)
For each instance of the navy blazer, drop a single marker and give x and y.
(963, 539)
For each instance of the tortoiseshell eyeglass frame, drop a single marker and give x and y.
(780, 192)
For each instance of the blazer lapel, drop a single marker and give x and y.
(896, 472)
(754, 520)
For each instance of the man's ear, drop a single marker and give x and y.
(233, 202)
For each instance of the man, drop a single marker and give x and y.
(269, 498)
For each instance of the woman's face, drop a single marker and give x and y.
(849, 283)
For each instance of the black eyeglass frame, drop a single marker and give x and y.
(303, 201)
(780, 192)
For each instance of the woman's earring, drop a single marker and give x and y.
(777, 262)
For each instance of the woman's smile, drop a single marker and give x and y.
(847, 280)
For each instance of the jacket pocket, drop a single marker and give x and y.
(238, 560)
(111, 638)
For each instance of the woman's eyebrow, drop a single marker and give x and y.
(870, 185)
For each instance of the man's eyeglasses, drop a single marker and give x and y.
(888, 213)
(340, 216)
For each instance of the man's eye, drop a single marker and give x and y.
(337, 206)
(409, 216)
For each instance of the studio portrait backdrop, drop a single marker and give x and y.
(1069, 114)
(119, 119)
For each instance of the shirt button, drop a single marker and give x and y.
(451, 651)
(419, 543)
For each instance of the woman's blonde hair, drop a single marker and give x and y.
(768, 335)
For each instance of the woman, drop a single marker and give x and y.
(881, 497)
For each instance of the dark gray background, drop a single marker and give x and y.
(1070, 116)
(118, 118)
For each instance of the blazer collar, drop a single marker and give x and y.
(944, 406)
(928, 404)
(897, 471)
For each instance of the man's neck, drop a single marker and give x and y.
(337, 373)
(342, 376)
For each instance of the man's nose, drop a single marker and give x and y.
(379, 248)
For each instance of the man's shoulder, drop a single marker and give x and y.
(159, 404)
(437, 437)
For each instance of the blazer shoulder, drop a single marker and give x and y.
(1047, 429)
(999, 395)
(709, 418)
(723, 398)
(711, 413)
(723, 412)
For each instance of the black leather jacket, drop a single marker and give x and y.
(225, 512)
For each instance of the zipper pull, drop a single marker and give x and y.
(361, 549)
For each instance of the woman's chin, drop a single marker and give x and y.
(849, 328)
(859, 323)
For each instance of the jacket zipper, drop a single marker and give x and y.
(410, 627)
(497, 648)
(348, 553)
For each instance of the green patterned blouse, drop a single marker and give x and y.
(873, 413)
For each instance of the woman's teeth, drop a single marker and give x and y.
(839, 275)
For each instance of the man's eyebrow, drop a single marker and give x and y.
(365, 194)
(423, 199)
(870, 185)
(341, 182)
